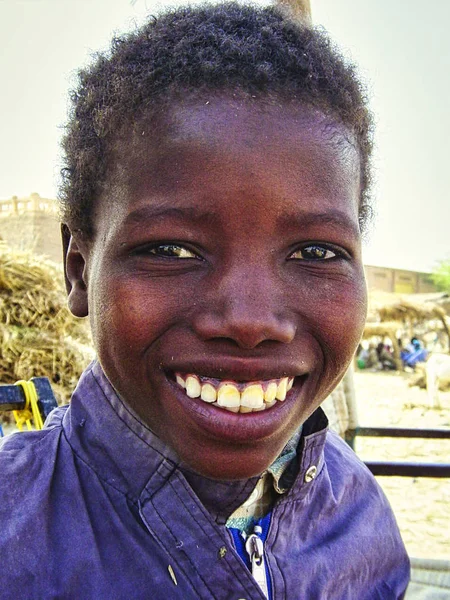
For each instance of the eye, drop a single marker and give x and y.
(314, 252)
(171, 251)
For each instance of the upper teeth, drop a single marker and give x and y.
(244, 397)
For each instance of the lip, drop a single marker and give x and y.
(240, 428)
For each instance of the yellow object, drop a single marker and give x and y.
(172, 574)
(31, 411)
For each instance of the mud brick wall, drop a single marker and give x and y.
(35, 231)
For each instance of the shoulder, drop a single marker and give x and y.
(347, 515)
(363, 503)
(30, 462)
(354, 487)
(358, 497)
(28, 443)
(344, 466)
(336, 447)
(26, 461)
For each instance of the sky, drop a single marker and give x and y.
(402, 48)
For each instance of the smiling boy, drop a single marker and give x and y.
(216, 185)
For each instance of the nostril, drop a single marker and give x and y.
(253, 335)
(246, 332)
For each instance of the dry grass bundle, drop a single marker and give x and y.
(39, 335)
(381, 330)
(385, 306)
(409, 311)
(413, 311)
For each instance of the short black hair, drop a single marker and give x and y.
(226, 47)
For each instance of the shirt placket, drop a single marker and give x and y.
(200, 557)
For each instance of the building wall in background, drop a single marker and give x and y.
(31, 224)
(384, 279)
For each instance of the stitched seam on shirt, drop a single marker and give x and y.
(198, 524)
(175, 539)
(91, 468)
(279, 520)
(125, 423)
(175, 559)
(238, 497)
(36, 442)
(224, 484)
(229, 567)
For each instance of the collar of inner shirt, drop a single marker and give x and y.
(269, 486)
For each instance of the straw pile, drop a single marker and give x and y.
(412, 308)
(425, 310)
(39, 336)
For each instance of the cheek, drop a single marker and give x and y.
(336, 311)
(135, 311)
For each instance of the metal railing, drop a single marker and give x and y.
(400, 468)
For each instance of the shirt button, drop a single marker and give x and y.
(310, 474)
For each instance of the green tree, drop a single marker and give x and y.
(441, 276)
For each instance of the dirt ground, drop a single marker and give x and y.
(422, 506)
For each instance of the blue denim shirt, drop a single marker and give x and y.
(95, 506)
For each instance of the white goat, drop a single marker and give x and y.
(437, 370)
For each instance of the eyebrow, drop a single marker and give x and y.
(299, 220)
(334, 218)
(155, 213)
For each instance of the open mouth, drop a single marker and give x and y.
(251, 396)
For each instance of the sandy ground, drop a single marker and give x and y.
(422, 506)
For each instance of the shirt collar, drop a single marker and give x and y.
(278, 468)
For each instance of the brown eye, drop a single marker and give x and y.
(313, 252)
(171, 251)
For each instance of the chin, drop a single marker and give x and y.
(236, 464)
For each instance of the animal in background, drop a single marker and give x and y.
(437, 371)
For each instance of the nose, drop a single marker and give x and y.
(248, 309)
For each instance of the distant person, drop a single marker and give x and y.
(413, 353)
(385, 357)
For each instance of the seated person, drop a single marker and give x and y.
(414, 353)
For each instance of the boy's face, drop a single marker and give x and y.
(227, 251)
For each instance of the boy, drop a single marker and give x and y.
(216, 185)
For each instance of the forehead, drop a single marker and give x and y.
(273, 149)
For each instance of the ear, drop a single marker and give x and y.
(74, 256)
